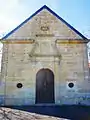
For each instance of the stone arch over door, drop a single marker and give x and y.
(44, 86)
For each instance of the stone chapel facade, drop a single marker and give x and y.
(44, 61)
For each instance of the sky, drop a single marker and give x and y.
(75, 12)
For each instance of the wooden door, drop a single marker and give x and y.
(45, 86)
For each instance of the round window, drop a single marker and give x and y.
(19, 85)
(71, 85)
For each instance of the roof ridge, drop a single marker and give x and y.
(44, 7)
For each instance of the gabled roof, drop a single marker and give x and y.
(44, 7)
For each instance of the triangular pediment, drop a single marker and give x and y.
(44, 23)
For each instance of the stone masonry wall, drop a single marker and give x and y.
(51, 48)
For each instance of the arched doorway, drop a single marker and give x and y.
(45, 86)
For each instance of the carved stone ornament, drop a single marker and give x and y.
(44, 28)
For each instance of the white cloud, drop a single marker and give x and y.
(9, 17)
(13, 12)
(6, 20)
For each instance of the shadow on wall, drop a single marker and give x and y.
(69, 112)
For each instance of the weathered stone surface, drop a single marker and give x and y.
(50, 49)
(44, 18)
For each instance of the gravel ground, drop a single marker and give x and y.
(12, 114)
